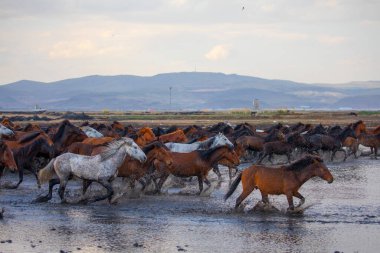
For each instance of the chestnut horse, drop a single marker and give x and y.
(144, 136)
(196, 163)
(283, 180)
(6, 158)
(176, 136)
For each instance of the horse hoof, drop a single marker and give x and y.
(41, 199)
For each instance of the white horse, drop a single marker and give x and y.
(101, 168)
(5, 131)
(218, 140)
(91, 132)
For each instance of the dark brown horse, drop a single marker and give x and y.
(278, 148)
(66, 134)
(283, 180)
(330, 143)
(196, 163)
(6, 158)
(27, 149)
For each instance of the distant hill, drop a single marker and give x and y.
(190, 91)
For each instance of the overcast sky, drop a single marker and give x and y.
(330, 41)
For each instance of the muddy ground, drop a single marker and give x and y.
(343, 216)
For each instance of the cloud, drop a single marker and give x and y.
(331, 40)
(178, 3)
(267, 7)
(218, 52)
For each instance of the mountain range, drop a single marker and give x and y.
(190, 91)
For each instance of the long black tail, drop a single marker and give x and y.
(234, 184)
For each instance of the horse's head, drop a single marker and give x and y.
(47, 138)
(6, 157)
(147, 133)
(161, 153)
(133, 150)
(221, 140)
(359, 127)
(5, 131)
(321, 170)
(231, 156)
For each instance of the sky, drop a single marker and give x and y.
(314, 41)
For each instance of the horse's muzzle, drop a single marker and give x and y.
(330, 180)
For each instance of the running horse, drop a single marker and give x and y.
(196, 163)
(26, 149)
(100, 168)
(134, 170)
(176, 136)
(285, 180)
(6, 158)
(66, 134)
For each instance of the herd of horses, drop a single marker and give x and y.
(94, 152)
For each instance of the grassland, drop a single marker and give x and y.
(262, 118)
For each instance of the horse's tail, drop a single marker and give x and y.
(47, 173)
(234, 184)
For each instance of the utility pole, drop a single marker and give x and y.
(170, 98)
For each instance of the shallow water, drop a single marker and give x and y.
(342, 216)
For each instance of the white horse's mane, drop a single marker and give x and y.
(113, 147)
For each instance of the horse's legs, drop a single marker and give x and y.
(264, 197)
(200, 181)
(333, 154)
(61, 190)
(289, 196)
(244, 194)
(375, 149)
(216, 170)
(230, 172)
(161, 182)
(207, 182)
(270, 158)
(109, 194)
(261, 158)
(86, 184)
(289, 158)
(21, 178)
(48, 197)
(302, 198)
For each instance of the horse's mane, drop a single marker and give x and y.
(205, 154)
(355, 125)
(153, 145)
(144, 130)
(61, 129)
(25, 150)
(28, 137)
(303, 163)
(112, 148)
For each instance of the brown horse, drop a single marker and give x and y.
(26, 149)
(283, 180)
(98, 141)
(6, 158)
(80, 148)
(144, 136)
(370, 140)
(66, 134)
(176, 136)
(196, 163)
